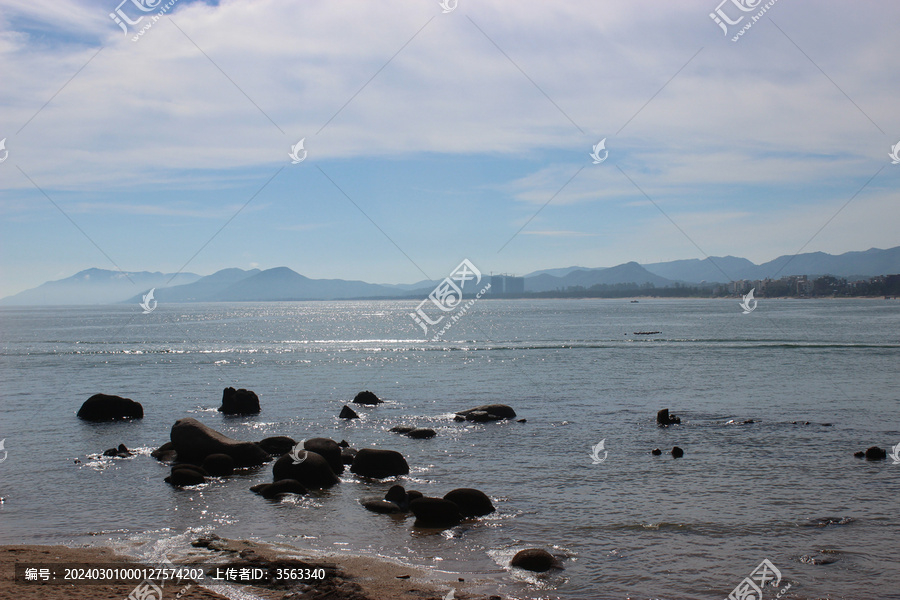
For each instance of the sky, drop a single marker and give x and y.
(438, 132)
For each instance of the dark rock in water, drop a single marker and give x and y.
(259, 487)
(384, 507)
(413, 494)
(186, 475)
(165, 453)
(664, 419)
(367, 398)
(827, 425)
(277, 445)
(120, 452)
(401, 429)
(522, 421)
(327, 449)
(656, 452)
(379, 464)
(827, 521)
(677, 452)
(471, 502)
(459, 418)
(344, 444)
(348, 413)
(103, 407)
(859, 454)
(282, 487)
(239, 402)
(347, 455)
(397, 495)
(817, 560)
(488, 412)
(536, 560)
(876, 453)
(421, 433)
(194, 441)
(435, 512)
(219, 465)
(313, 472)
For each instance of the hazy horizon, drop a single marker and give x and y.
(433, 137)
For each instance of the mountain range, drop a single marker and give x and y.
(99, 286)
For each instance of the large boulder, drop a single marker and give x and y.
(273, 491)
(664, 419)
(194, 441)
(239, 402)
(277, 445)
(104, 407)
(471, 502)
(328, 449)
(488, 412)
(435, 512)
(312, 471)
(535, 559)
(379, 464)
(368, 398)
(421, 433)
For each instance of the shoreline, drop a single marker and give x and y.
(348, 577)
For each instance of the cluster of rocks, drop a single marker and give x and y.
(676, 452)
(197, 452)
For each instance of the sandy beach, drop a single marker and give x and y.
(348, 578)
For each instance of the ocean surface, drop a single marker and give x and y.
(630, 526)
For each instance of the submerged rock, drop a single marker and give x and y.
(487, 412)
(182, 475)
(677, 452)
(656, 452)
(536, 560)
(435, 513)
(239, 402)
(104, 407)
(422, 433)
(273, 491)
(120, 452)
(277, 445)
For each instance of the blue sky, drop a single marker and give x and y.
(434, 137)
